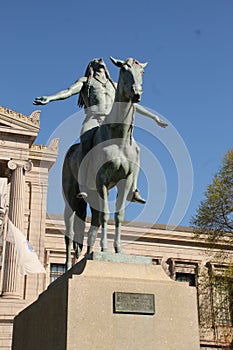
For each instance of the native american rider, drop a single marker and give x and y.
(96, 94)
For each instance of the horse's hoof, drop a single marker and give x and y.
(89, 250)
(78, 251)
(118, 250)
(67, 267)
(104, 250)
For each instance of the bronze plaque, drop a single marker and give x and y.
(133, 303)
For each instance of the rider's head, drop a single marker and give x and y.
(94, 66)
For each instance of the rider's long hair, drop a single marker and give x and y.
(89, 74)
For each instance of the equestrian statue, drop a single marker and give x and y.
(107, 154)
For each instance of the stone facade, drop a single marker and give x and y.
(26, 167)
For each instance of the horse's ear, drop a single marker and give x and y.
(144, 64)
(118, 63)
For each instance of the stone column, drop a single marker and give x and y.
(11, 285)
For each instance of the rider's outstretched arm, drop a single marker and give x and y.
(143, 111)
(63, 94)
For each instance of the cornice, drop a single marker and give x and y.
(45, 153)
(51, 148)
(145, 233)
(31, 123)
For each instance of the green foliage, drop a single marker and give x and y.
(214, 222)
(214, 216)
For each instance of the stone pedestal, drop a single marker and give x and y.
(111, 305)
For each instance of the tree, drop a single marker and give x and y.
(214, 222)
(214, 217)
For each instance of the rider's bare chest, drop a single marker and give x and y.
(100, 91)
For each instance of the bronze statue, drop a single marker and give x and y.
(113, 156)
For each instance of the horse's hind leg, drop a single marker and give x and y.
(69, 234)
(79, 227)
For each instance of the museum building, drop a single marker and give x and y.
(24, 170)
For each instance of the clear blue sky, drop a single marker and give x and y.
(46, 45)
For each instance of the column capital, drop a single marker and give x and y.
(17, 163)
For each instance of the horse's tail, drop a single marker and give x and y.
(70, 186)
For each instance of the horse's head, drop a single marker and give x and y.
(130, 80)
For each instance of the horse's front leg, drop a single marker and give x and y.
(104, 210)
(92, 234)
(123, 189)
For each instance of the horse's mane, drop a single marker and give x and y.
(89, 74)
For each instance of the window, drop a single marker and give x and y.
(56, 270)
(184, 270)
(186, 277)
(223, 300)
(221, 283)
